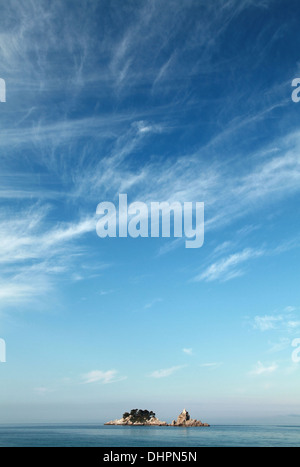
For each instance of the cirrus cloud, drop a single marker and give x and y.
(104, 377)
(166, 372)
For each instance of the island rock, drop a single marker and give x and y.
(128, 422)
(183, 420)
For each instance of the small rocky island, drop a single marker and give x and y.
(145, 418)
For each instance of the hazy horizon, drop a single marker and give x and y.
(162, 101)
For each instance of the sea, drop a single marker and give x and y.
(87, 435)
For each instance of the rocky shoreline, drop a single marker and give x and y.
(183, 420)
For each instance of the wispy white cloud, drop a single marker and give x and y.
(286, 320)
(171, 245)
(152, 303)
(104, 377)
(165, 373)
(187, 351)
(33, 256)
(265, 323)
(292, 325)
(14, 292)
(104, 166)
(261, 369)
(290, 309)
(279, 346)
(26, 238)
(42, 390)
(233, 265)
(229, 267)
(223, 247)
(211, 365)
(102, 293)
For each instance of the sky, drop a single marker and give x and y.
(163, 101)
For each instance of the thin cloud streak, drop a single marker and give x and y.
(229, 267)
(104, 377)
(166, 372)
(32, 258)
(261, 369)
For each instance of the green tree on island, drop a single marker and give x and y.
(139, 416)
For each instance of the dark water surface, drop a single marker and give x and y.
(113, 436)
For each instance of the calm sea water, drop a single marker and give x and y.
(107, 436)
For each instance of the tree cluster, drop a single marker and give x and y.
(139, 416)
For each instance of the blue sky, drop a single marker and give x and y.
(165, 101)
